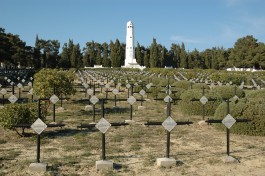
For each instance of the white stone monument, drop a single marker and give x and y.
(130, 61)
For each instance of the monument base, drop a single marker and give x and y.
(133, 65)
(165, 162)
(230, 159)
(104, 164)
(38, 167)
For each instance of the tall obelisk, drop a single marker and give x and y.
(130, 53)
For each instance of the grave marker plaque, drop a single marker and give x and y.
(169, 124)
(38, 126)
(12, 99)
(3, 91)
(103, 125)
(54, 99)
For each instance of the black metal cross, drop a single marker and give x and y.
(227, 129)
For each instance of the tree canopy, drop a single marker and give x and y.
(247, 52)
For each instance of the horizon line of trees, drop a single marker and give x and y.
(247, 52)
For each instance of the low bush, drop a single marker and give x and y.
(13, 114)
(228, 92)
(251, 107)
(189, 107)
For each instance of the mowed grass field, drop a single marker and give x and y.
(199, 150)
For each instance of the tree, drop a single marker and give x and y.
(48, 79)
(183, 57)
(153, 54)
(139, 54)
(115, 54)
(105, 60)
(244, 52)
(146, 59)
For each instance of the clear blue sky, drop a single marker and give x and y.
(200, 24)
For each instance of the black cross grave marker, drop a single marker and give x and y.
(228, 121)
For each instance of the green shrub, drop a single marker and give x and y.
(182, 84)
(227, 92)
(13, 114)
(189, 107)
(251, 107)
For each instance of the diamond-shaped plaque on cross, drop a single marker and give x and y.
(169, 124)
(228, 121)
(131, 100)
(19, 85)
(3, 91)
(115, 91)
(203, 100)
(167, 99)
(142, 92)
(38, 126)
(94, 100)
(107, 86)
(128, 86)
(12, 99)
(103, 125)
(54, 99)
(148, 86)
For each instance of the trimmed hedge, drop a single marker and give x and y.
(251, 107)
(13, 114)
(189, 107)
(227, 92)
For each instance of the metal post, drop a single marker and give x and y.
(61, 100)
(103, 147)
(38, 148)
(141, 100)
(39, 109)
(228, 132)
(203, 106)
(131, 110)
(18, 92)
(102, 108)
(53, 105)
(13, 88)
(168, 133)
(168, 144)
(3, 100)
(94, 114)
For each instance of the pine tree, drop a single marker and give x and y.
(183, 57)
(153, 54)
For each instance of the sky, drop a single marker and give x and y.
(199, 24)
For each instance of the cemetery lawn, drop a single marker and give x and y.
(199, 150)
